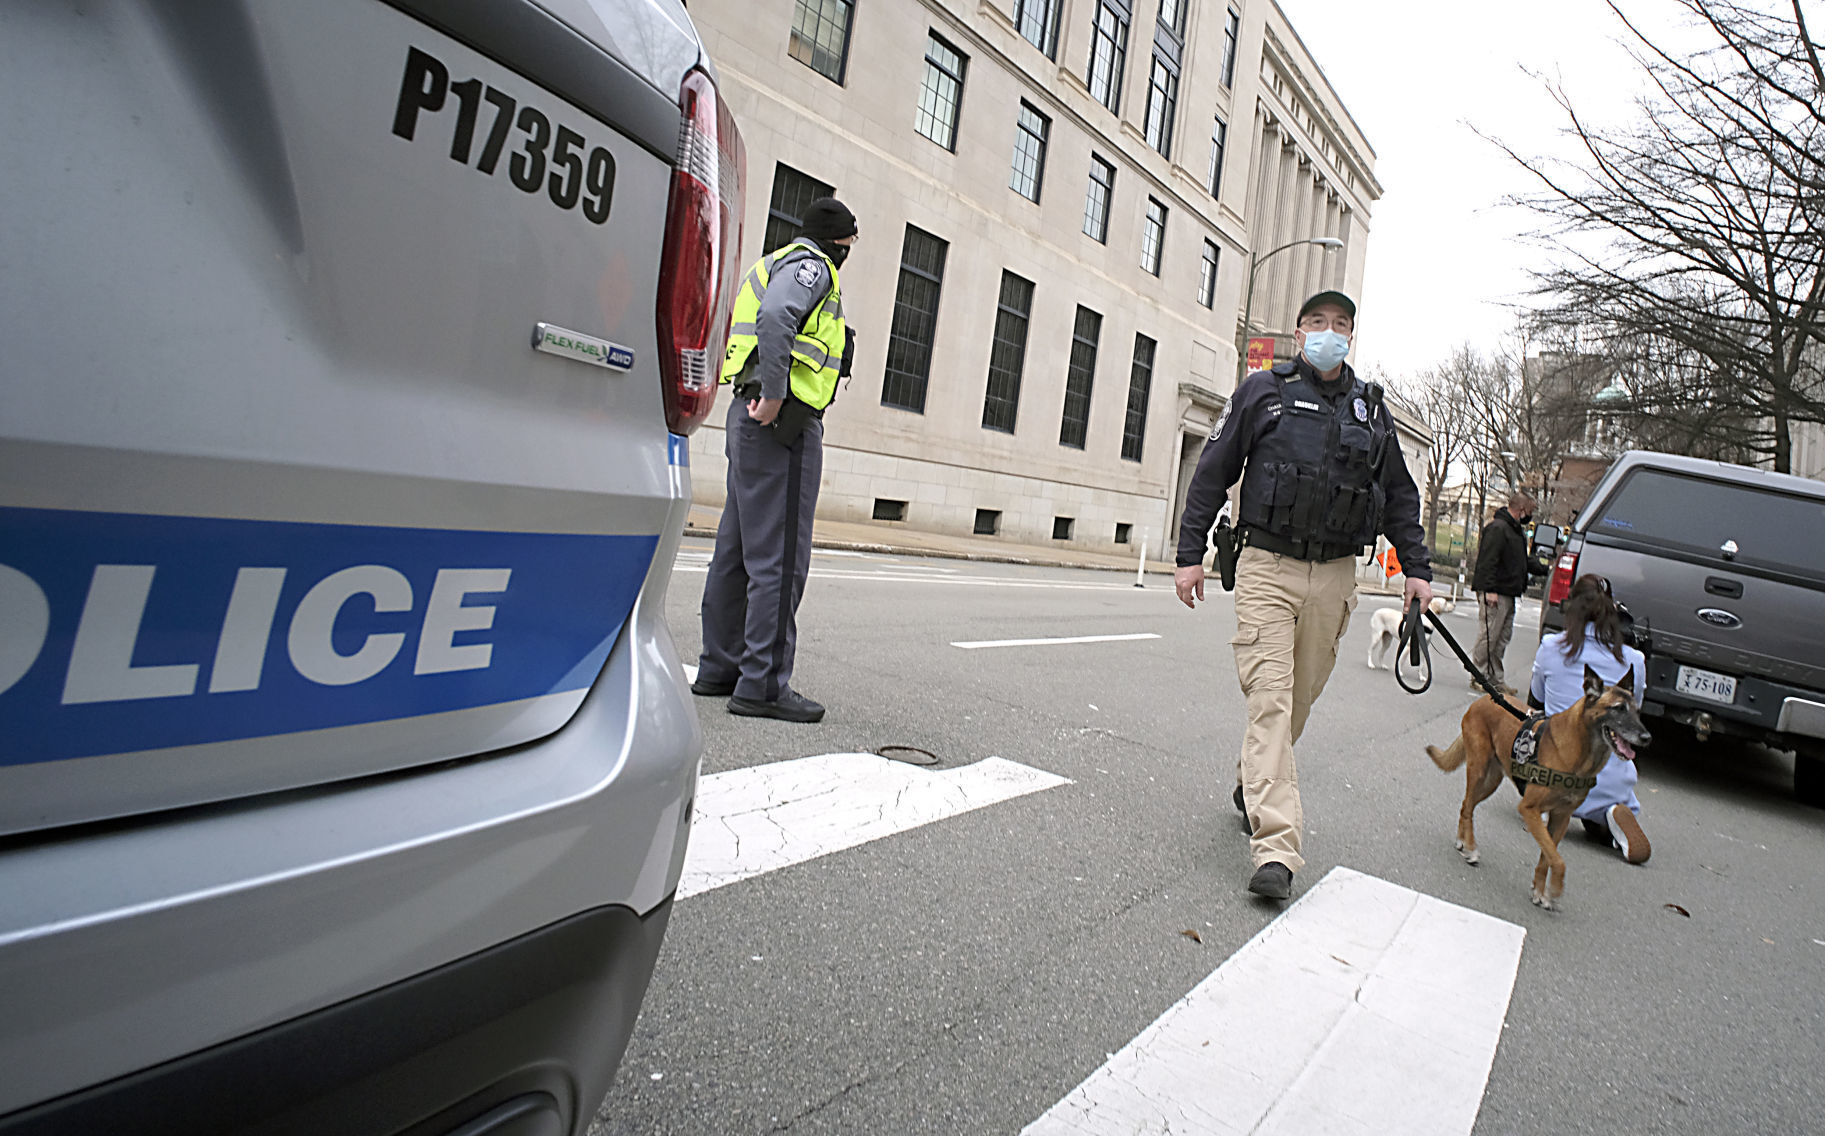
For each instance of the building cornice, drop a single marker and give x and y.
(1280, 61)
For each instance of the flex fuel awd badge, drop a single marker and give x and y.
(555, 340)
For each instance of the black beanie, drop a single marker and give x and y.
(828, 219)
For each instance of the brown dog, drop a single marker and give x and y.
(1575, 742)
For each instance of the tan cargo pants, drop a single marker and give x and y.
(1290, 616)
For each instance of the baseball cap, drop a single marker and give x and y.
(1331, 297)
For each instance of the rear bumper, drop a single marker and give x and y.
(526, 1034)
(1762, 709)
(126, 947)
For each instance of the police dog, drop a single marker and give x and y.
(1384, 628)
(1575, 741)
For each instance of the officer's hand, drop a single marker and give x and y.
(765, 410)
(1189, 582)
(1489, 598)
(1420, 590)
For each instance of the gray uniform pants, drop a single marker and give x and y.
(763, 554)
(1495, 626)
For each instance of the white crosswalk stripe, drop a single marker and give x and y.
(755, 820)
(1367, 1008)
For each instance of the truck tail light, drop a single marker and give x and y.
(1564, 570)
(697, 272)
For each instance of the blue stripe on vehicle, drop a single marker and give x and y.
(128, 632)
(680, 450)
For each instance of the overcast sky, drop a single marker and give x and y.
(1444, 254)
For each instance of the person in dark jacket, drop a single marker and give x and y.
(1322, 476)
(1502, 567)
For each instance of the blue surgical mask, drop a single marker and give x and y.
(1326, 349)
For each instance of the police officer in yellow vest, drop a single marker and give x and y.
(788, 345)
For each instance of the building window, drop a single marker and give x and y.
(1172, 16)
(1007, 353)
(1108, 53)
(792, 191)
(1124, 531)
(1096, 200)
(1219, 136)
(1079, 377)
(1207, 278)
(889, 510)
(1162, 103)
(915, 321)
(1061, 527)
(988, 522)
(942, 93)
(1030, 132)
(1038, 22)
(1232, 32)
(1140, 383)
(820, 36)
(1153, 238)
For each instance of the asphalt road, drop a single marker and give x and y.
(963, 976)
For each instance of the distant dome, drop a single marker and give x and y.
(1613, 395)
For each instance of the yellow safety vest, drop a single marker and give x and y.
(817, 352)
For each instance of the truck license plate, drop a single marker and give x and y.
(1708, 685)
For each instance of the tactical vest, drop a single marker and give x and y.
(1315, 474)
(817, 352)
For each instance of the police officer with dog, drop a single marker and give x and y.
(788, 346)
(1322, 475)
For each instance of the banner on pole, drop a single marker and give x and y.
(1260, 352)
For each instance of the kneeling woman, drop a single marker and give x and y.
(1593, 638)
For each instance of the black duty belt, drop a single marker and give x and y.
(1299, 549)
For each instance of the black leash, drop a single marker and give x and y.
(1415, 646)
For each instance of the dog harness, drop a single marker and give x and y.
(1524, 770)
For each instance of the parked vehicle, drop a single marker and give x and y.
(1723, 569)
(348, 351)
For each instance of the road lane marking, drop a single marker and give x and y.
(980, 643)
(904, 576)
(1367, 1008)
(756, 820)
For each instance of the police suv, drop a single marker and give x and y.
(348, 350)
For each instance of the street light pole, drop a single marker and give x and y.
(1329, 244)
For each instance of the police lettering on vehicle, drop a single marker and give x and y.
(129, 632)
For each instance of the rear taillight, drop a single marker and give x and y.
(698, 269)
(1563, 572)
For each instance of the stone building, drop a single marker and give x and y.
(1057, 201)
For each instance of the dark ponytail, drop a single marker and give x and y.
(1589, 602)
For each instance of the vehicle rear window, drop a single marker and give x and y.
(1693, 514)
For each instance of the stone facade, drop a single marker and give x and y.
(833, 92)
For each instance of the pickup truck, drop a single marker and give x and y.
(1722, 568)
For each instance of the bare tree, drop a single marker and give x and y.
(1434, 396)
(1690, 248)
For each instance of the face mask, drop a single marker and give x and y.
(837, 253)
(1326, 349)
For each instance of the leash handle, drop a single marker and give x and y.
(1413, 647)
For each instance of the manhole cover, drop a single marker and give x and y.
(911, 755)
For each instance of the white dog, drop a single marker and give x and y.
(1384, 628)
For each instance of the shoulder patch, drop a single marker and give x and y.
(1228, 405)
(807, 273)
